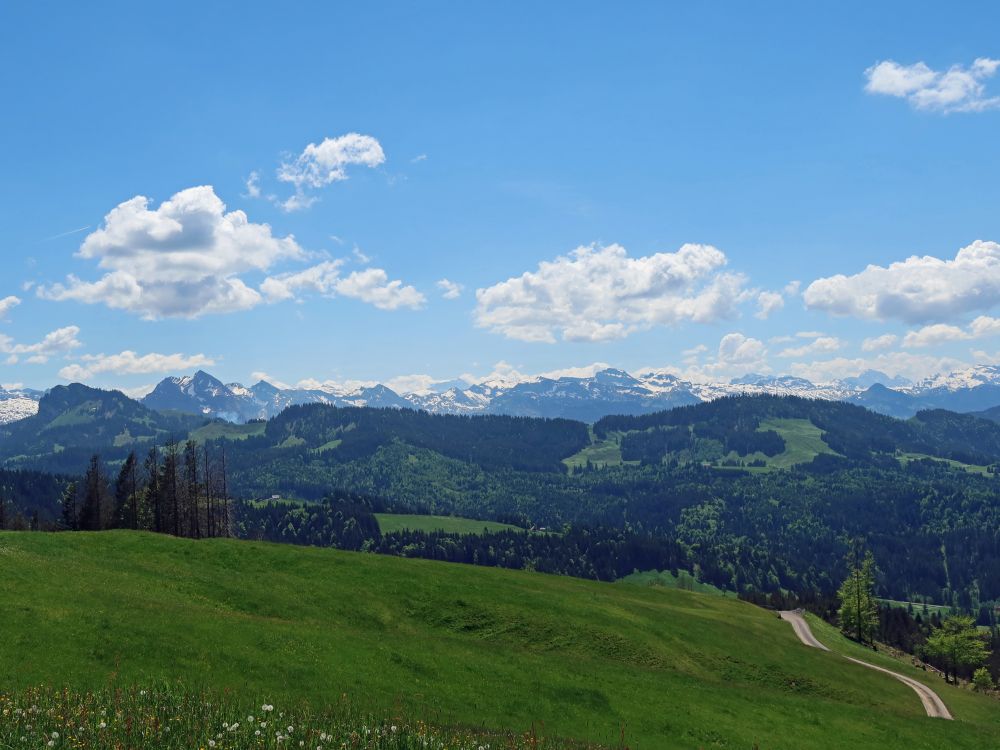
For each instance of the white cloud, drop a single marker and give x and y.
(934, 335)
(819, 345)
(905, 364)
(369, 285)
(323, 164)
(767, 303)
(877, 343)
(917, 290)
(418, 158)
(182, 259)
(958, 89)
(7, 304)
(253, 185)
(450, 289)
(792, 288)
(941, 333)
(58, 342)
(809, 334)
(737, 349)
(737, 354)
(600, 293)
(130, 363)
(984, 326)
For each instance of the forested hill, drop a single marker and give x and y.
(849, 430)
(75, 421)
(758, 492)
(491, 442)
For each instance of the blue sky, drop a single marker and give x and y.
(578, 143)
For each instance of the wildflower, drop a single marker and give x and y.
(267, 707)
(103, 725)
(211, 743)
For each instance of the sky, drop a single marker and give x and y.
(409, 193)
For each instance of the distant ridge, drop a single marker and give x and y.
(606, 392)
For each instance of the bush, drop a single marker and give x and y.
(982, 680)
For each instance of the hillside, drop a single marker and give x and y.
(75, 421)
(759, 492)
(469, 645)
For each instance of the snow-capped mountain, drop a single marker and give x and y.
(608, 391)
(18, 404)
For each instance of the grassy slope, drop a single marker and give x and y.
(963, 703)
(468, 644)
(390, 522)
(666, 579)
(217, 430)
(803, 441)
(607, 452)
(905, 458)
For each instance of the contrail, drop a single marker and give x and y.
(65, 234)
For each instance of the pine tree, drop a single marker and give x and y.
(126, 495)
(153, 493)
(3, 510)
(70, 517)
(191, 490)
(92, 508)
(859, 617)
(170, 485)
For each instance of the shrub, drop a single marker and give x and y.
(982, 680)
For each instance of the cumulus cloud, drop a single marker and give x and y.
(818, 345)
(253, 185)
(600, 293)
(934, 335)
(941, 333)
(894, 364)
(878, 343)
(371, 285)
(737, 349)
(958, 89)
(130, 363)
(917, 290)
(59, 342)
(182, 259)
(767, 303)
(7, 304)
(325, 163)
(450, 289)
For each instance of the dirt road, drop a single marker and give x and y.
(933, 704)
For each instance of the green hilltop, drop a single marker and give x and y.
(452, 643)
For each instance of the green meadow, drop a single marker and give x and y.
(453, 644)
(390, 522)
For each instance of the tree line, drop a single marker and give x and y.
(180, 489)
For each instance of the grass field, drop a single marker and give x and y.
(963, 703)
(664, 578)
(218, 430)
(607, 452)
(803, 441)
(450, 643)
(390, 522)
(905, 458)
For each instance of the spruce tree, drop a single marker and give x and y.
(70, 518)
(92, 508)
(153, 491)
(191, 490)
(126, 495)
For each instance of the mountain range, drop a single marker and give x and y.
(588, 399)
